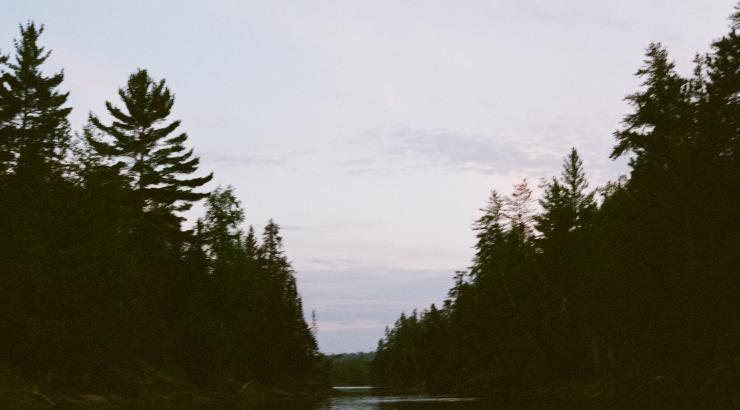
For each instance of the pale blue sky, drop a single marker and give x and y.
(372, 131)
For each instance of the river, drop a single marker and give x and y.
(369, 398)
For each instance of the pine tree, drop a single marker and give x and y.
(557, 218)
(518, 210)
(294, 350)
(722, 103)
(566, 204)
(142, 141)
(221, 226)
(274, 261)
(658, 127)
(251, 246)
(489, 231)
(573, 178)
(34, 130)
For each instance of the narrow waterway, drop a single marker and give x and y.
(366, 398)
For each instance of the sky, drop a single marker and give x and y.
(373, 131)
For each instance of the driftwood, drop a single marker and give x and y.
(244, 387)
(42, 396)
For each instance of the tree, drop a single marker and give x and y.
(34, 131)
(292, 348)
(489, 231)
(251, 246)
(274, 262)
(142, 142)
(518, 209)
(661, 119)
(557, 218)
(566, 204)
(221, 226)
(721, 104)
(573, 178)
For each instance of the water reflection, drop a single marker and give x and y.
(365, 398)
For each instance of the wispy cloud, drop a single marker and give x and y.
(235, 159)
(467, 152)
(552, 12)
(345, 325)
(328, 227)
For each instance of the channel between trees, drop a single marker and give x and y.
(627, 290)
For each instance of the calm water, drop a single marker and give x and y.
(366, 398)
(362, 398)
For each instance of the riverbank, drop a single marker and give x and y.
(149, 388)
(659, 391)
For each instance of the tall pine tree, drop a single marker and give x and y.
(142, 141)
(566, 203)
(34, 130)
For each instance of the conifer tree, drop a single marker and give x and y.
(574, 180)
(251, 246)
(566, 204)
(721, 102)
(518, 208)
(295, 348)
(274, 261)
(489, 231)
(141, 140)
(556, 220)
(661, 120)
(221, 226)
(34, 130)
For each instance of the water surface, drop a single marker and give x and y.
(366, 398)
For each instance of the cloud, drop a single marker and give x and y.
(533, 149)
(545, 11)
(469, 152)
(345, 325)
(234, 160)
(330, 228)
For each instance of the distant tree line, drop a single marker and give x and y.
(98, 277)
(350, 369)
(632, 283)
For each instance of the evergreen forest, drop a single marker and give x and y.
(583, 291)
(628, 287)
(103, 289)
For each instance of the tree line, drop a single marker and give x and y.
(350, 369)
(632, 283)
(99, 278)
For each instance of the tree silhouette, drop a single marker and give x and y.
(153, 159)
(34, 131)
(103, 290)
(636, 293)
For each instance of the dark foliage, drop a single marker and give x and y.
(642, 286)
(350, 369)
(99, 280)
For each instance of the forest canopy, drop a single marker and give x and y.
(101, 281)
(632, 283)
(605, 291)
